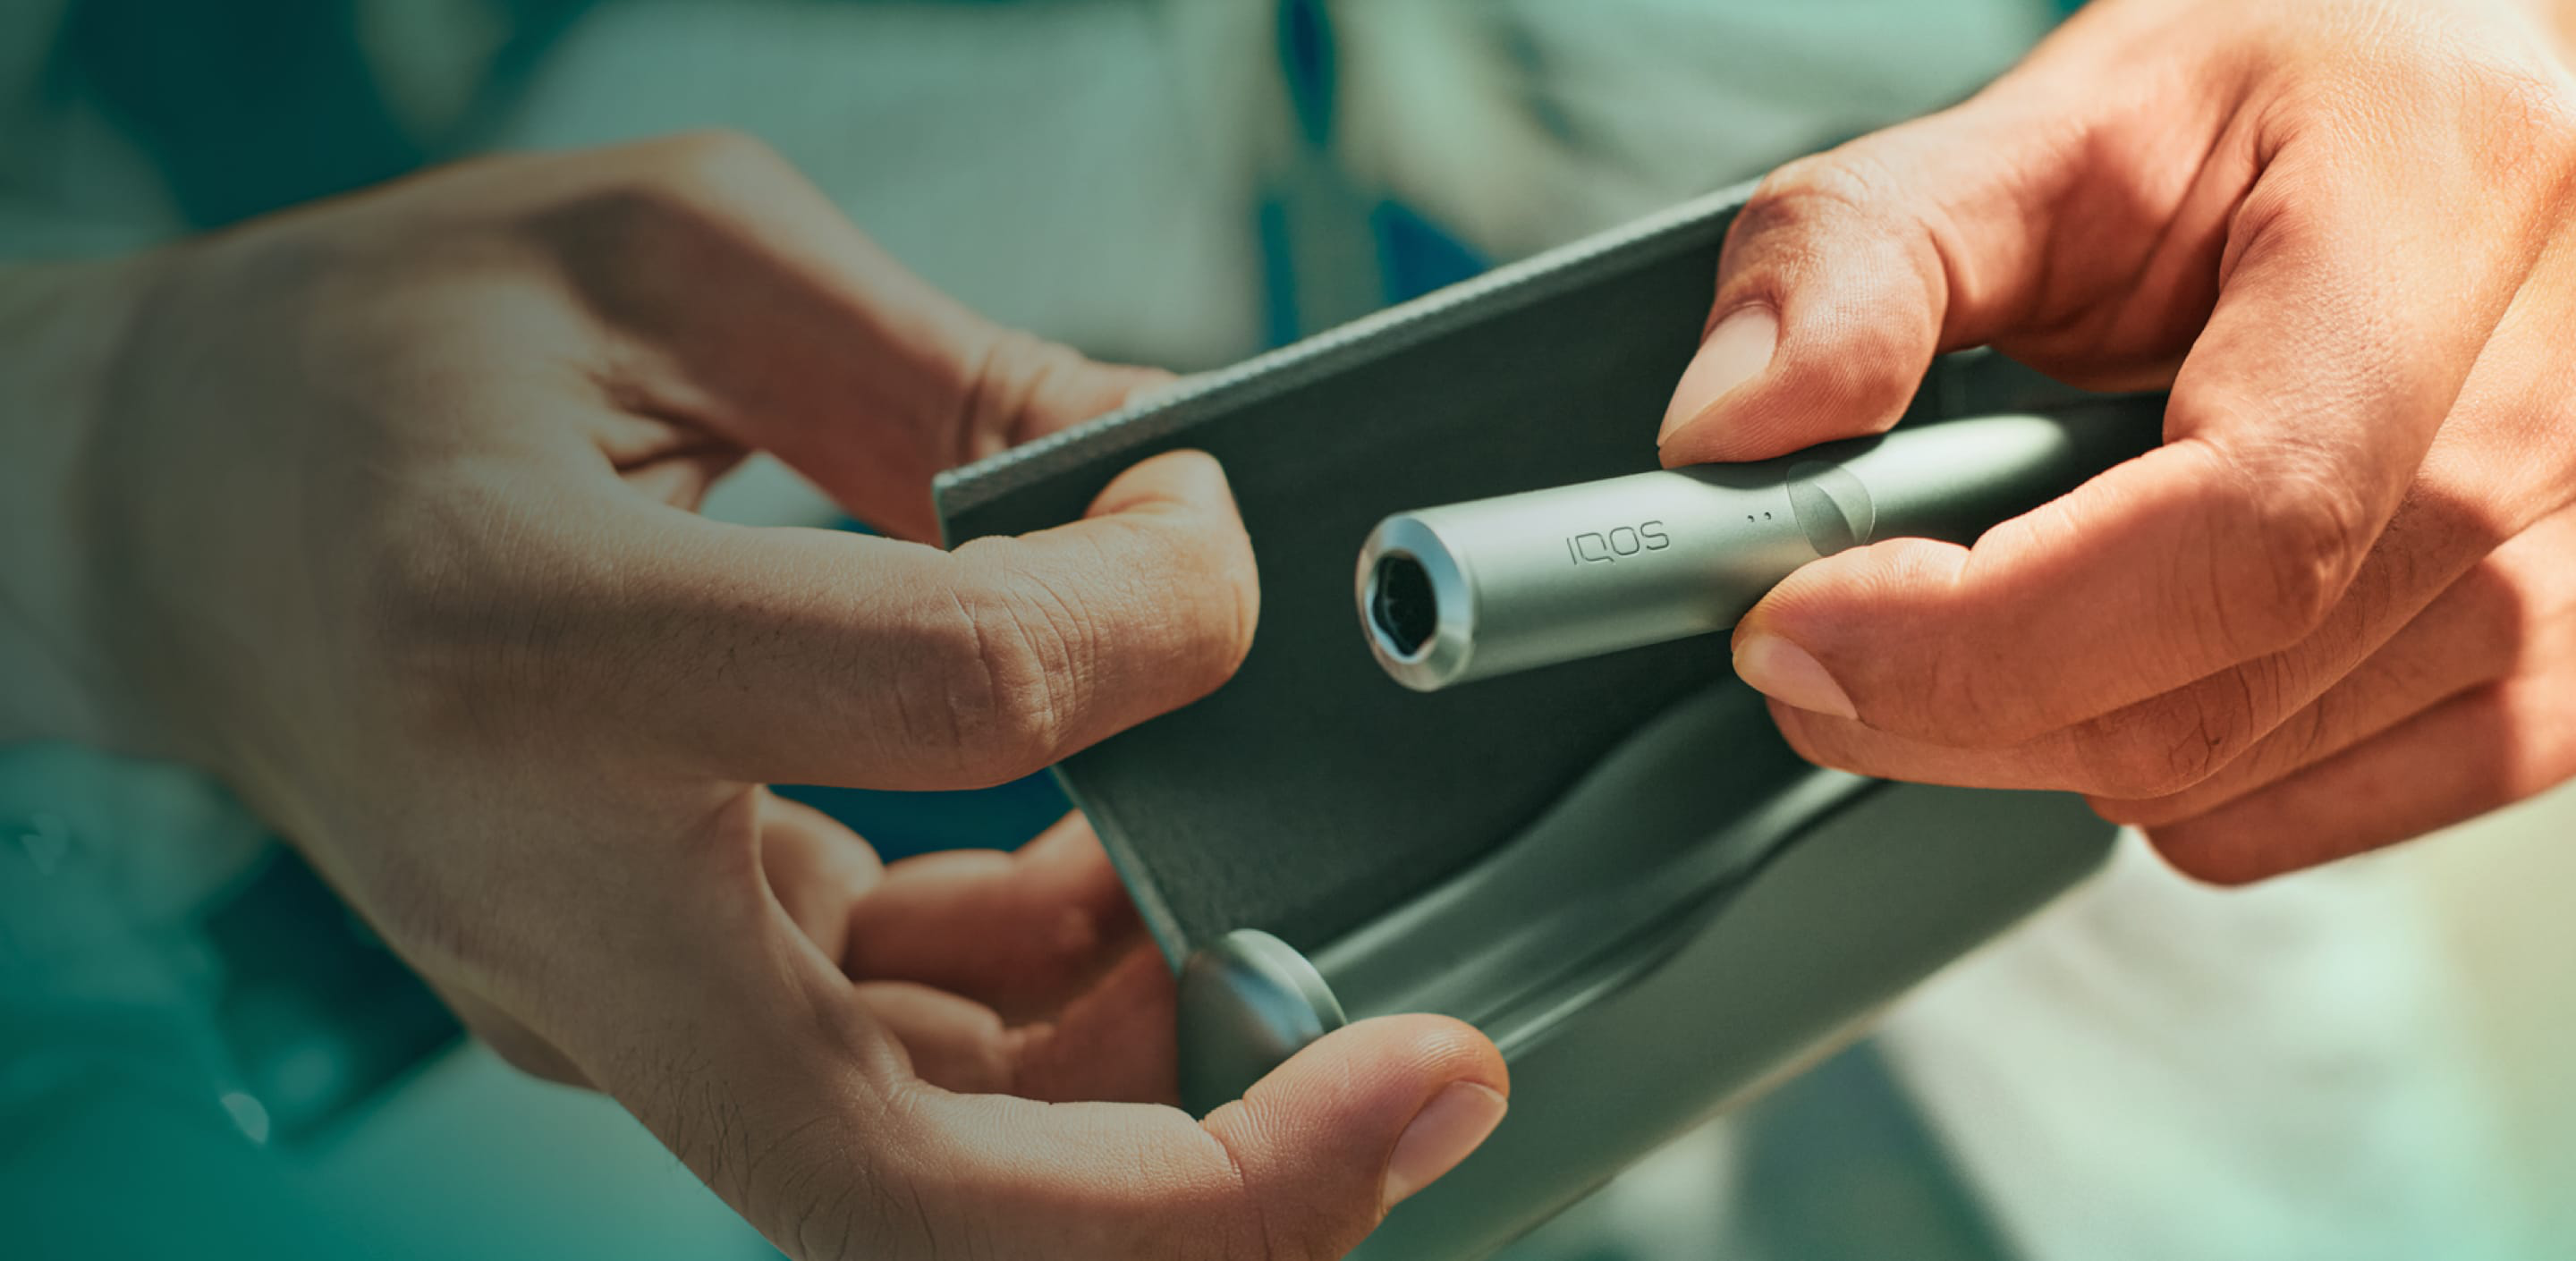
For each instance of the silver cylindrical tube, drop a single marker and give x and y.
(1471, 590)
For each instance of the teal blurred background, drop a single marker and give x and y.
(202, 1055)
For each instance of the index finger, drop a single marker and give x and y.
(1019, 932)
(813, 656)
(2296, 423)
(893, 665)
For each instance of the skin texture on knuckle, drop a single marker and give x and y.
(1010, 673)
(2300, 740)
(1785, 230)
(1818, 189)
(2373, 63)
(1050, 641)
(1805, 216)
(2272, 551)
(2415, 117)
(2315, 532)
(2171, 743)
(2519, 136)
(2308, 211)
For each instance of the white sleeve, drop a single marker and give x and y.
(2156, 1068)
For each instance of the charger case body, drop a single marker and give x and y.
(1614, 867)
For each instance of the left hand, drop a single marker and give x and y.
(383, 510)
(2337, 608)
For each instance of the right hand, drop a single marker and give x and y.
(387, 518)
(2337, 608)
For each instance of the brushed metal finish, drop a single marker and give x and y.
(1528, 580)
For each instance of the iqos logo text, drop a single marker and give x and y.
(1610, 546)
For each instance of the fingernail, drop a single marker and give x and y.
(1736, 352)
(1453, 1124)
(1784, 672)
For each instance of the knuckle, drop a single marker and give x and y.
(2313, 533)
(1797, 206)
(2283, 218)
(2498, 92)
(2531, 133)
(1011, 669)
(2164, 746)
(2131, 766)
(2302, 739)
(1786, 221)
(1835, 182)
(2279, 550)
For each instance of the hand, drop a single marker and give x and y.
(2338, 607)
(388, 509)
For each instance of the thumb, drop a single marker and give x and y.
(1366, 1117)
(1846, 272)
(1304, 1165)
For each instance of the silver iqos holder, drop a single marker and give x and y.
(1477, 589)
(1602, 854)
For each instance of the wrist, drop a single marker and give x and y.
(62, 329)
